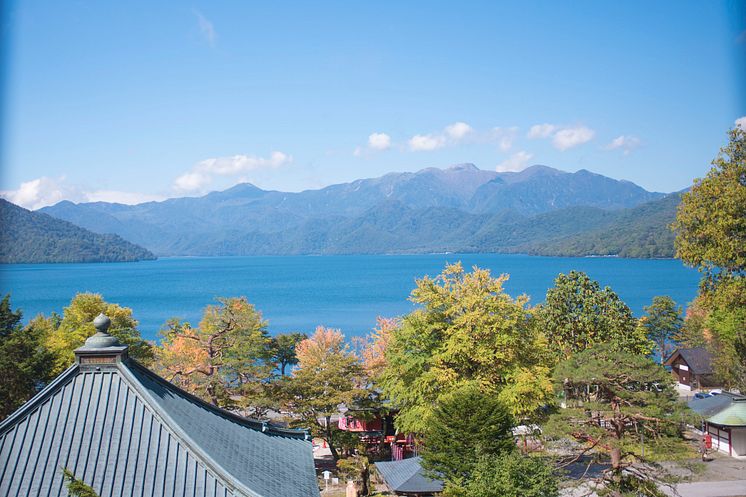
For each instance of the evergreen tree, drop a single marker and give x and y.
(578, 314)
(226, 360)
(76, 487)
(507, 475)
(283, 349)
(465, 425)
(25, 363)
(613, 399)
(662, 323)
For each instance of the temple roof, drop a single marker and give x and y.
(732, 415)
(726, 409)
(406, 476)
(125, 431)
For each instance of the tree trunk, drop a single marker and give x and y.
(329, 438)
(616, 468)
(365, 477)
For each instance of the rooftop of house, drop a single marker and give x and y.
(698, 359)
(125, 431)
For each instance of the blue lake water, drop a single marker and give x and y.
(301, 292)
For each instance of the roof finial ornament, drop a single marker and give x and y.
(102, 338)
(102, 323)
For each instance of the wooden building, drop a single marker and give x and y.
(692, 368)
(125, 431)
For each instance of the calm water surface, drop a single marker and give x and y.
(300, 292)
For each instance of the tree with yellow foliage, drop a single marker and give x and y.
(64, 335)
(467, 331)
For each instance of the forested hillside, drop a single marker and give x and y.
(30, 237)
(461, 208)
(642, 231)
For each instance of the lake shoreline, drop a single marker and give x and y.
(297, 293)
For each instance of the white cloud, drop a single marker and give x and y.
(541, 130)
(201, 175)
(741, 123)
(563, 137)
(457, 131)
(516, 162)
(192, 181)
(626, 143)
(419, 143)
(44, 191)
(206, 28)
(41, 192)
(572, 137)
(504, 137)
(379, 141)
(453, 134)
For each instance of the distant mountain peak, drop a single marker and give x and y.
(541, 169)
(465, 166)
(238, 191)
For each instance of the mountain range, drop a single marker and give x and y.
(539, 210)
(31, 237)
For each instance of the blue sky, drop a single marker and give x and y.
(129, 101)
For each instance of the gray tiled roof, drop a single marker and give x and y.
(698, 359)
(711, 406)
(125, 431)
(406, 476)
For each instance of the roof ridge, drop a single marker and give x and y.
(170, 424)
(252, 423)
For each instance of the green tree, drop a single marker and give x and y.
(578, 314)
(76, 487)
(728, 329)
(693, 332)
(620, 405)
(357, 468)
(226, 360)
(508, 475)
(283, 349)
(710, 222)
(465, 425)
(710, 231)
(467, 330)
(25, 363)
(67, 334)
(328, 375)
(662, 323)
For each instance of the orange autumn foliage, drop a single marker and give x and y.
(373, 347)
(313, 351)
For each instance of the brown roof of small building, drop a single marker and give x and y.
(698, 359)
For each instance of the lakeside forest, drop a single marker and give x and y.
(580, 365)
